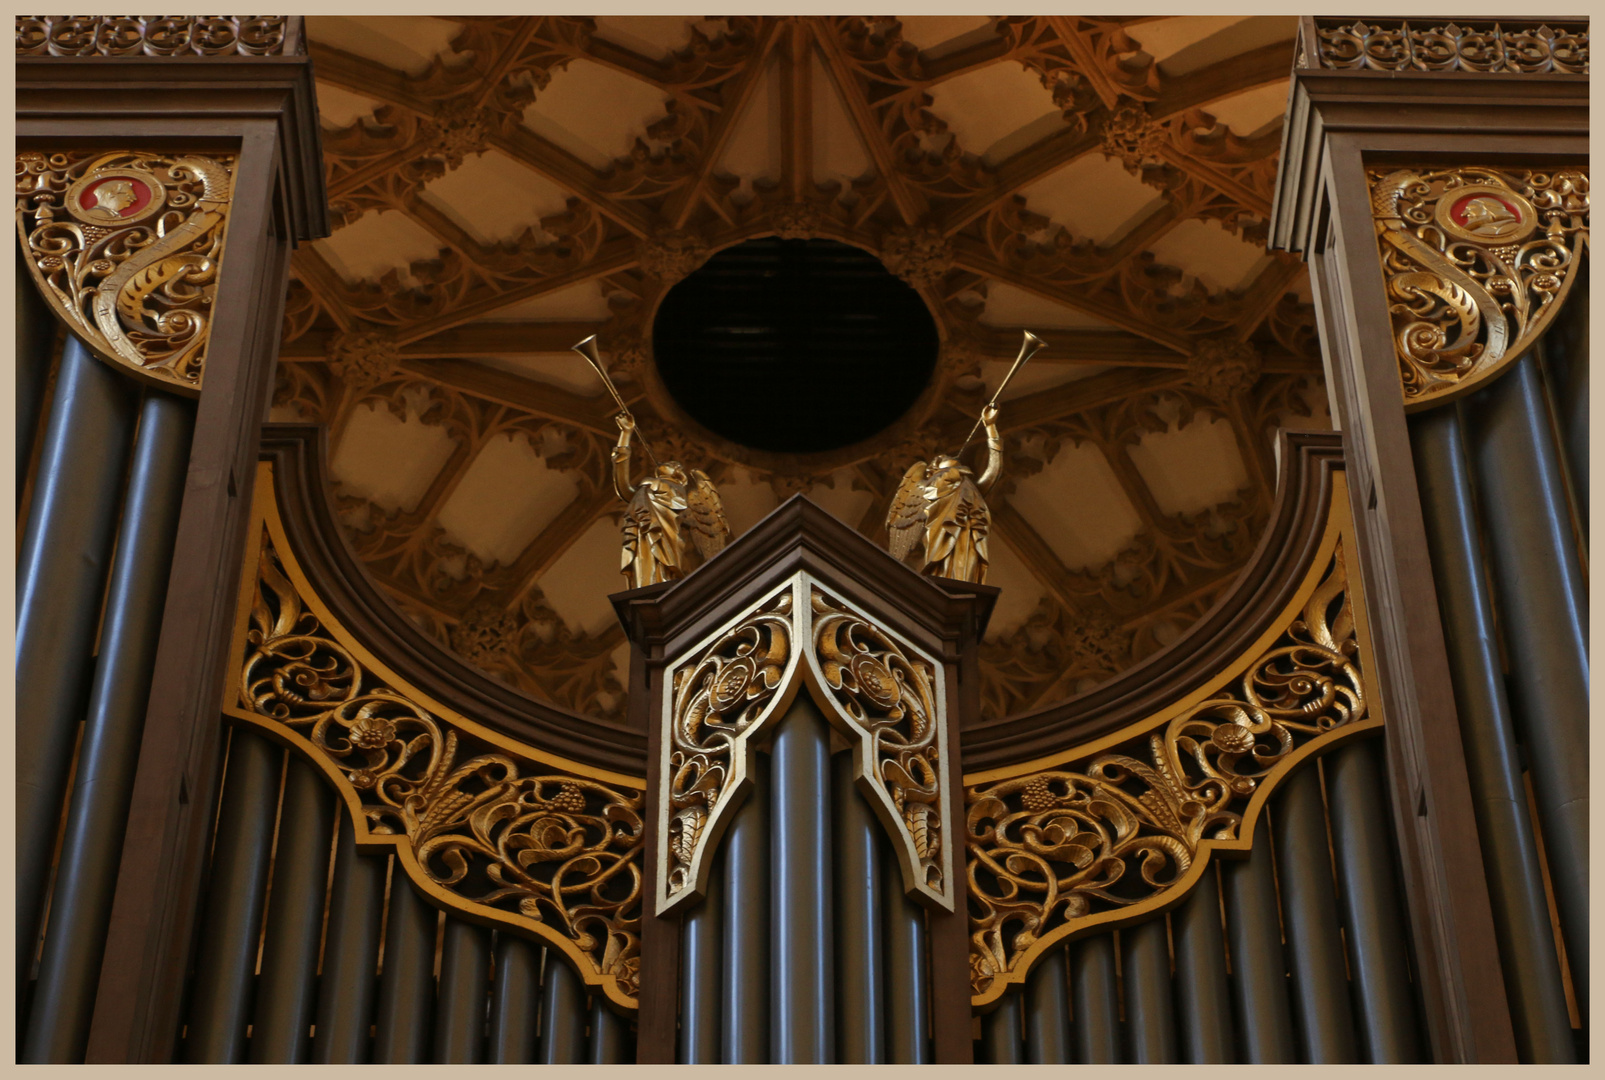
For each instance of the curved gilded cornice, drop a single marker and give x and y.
(299, 453)
(1306, 462)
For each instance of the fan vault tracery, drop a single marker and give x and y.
(1142, 348)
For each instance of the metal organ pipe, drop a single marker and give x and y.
(860, 964)
(464, 986)
(346, 988)
(1203, 993)
(86, 876)
(1541, 600)
(65, 550)
(514, 1001)
(1487, 731)
(406, 985)
(744, 1002)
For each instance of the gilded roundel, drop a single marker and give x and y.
(1486, 214)
(117, 196)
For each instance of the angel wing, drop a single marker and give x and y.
(704, 515)
(907, 514)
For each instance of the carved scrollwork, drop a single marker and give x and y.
(1126, 830)
(481, 826)
(126, 247)
(892, 701)
(1477, 262)
(720, 696)
(150, 35)
(1484, 47)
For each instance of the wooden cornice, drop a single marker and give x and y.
(299, 453)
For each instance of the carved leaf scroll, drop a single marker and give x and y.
(720, 695)
(1477, 263)
(1114, 836)
(498, 835)
(125, 246)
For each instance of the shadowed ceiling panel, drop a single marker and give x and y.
(506, 185)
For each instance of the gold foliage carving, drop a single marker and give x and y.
(892, 700)
(150, 35)
(720, 695)
(486, 827)
(1111, 833)
(126, 248)
(1502, 47)
(1477, 262)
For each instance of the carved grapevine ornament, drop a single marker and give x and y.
(1477, 263)
(126, 247)
(1500, 48)
(490, 832)
(1055, 851)
(150, 35)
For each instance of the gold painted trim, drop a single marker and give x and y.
(126, 248)
(1477, 262)
(1335, 553)
(612, 972)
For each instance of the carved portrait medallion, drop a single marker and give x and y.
(115, 196)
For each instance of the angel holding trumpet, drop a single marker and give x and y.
(667, 507)
(941, 502)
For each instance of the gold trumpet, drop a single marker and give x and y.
(1030, 344)
(587, 349)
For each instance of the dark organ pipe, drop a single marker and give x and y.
(1203, 994)
(36, 333)
(1150, 1012)
(1047, 1010)
(61, 577)
(350, 953)
(610, 1036)
(220, 997)
(69, 972)
(406, 985)
(1493, 761)
(908, 995)
(562, 1014)
(701, 976)
(1096, 994)
(464, 986)
(286, 992)
(802, 1010)
(1564, 352)
(1320, 985)
(1000, 1031)
(1541, 600)
(1259, 983)
(860, 960)
(744, 1003)
(1372, 905)
(514, 1002)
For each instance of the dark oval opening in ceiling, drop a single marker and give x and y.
(794, 346)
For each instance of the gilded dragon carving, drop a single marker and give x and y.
(1477, 262)
(1120, 831)
(482, 825)
(126, 248)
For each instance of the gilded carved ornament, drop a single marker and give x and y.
(1496, 48)
(882, 693)
(126, 246)
(1116, 831)
(1477, 262)
(495, 831)
(151, 35)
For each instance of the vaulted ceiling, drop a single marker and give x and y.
(504, 186)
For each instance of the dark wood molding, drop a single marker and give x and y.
(299, 454)
(264, 110)
(1297, 521)
(1339, 121)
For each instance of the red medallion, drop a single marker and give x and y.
(115, 198)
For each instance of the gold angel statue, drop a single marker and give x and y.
(938, 502)
(941, 502)
(665, 509)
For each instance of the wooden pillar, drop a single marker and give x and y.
(250, 106)
(1360, 101)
